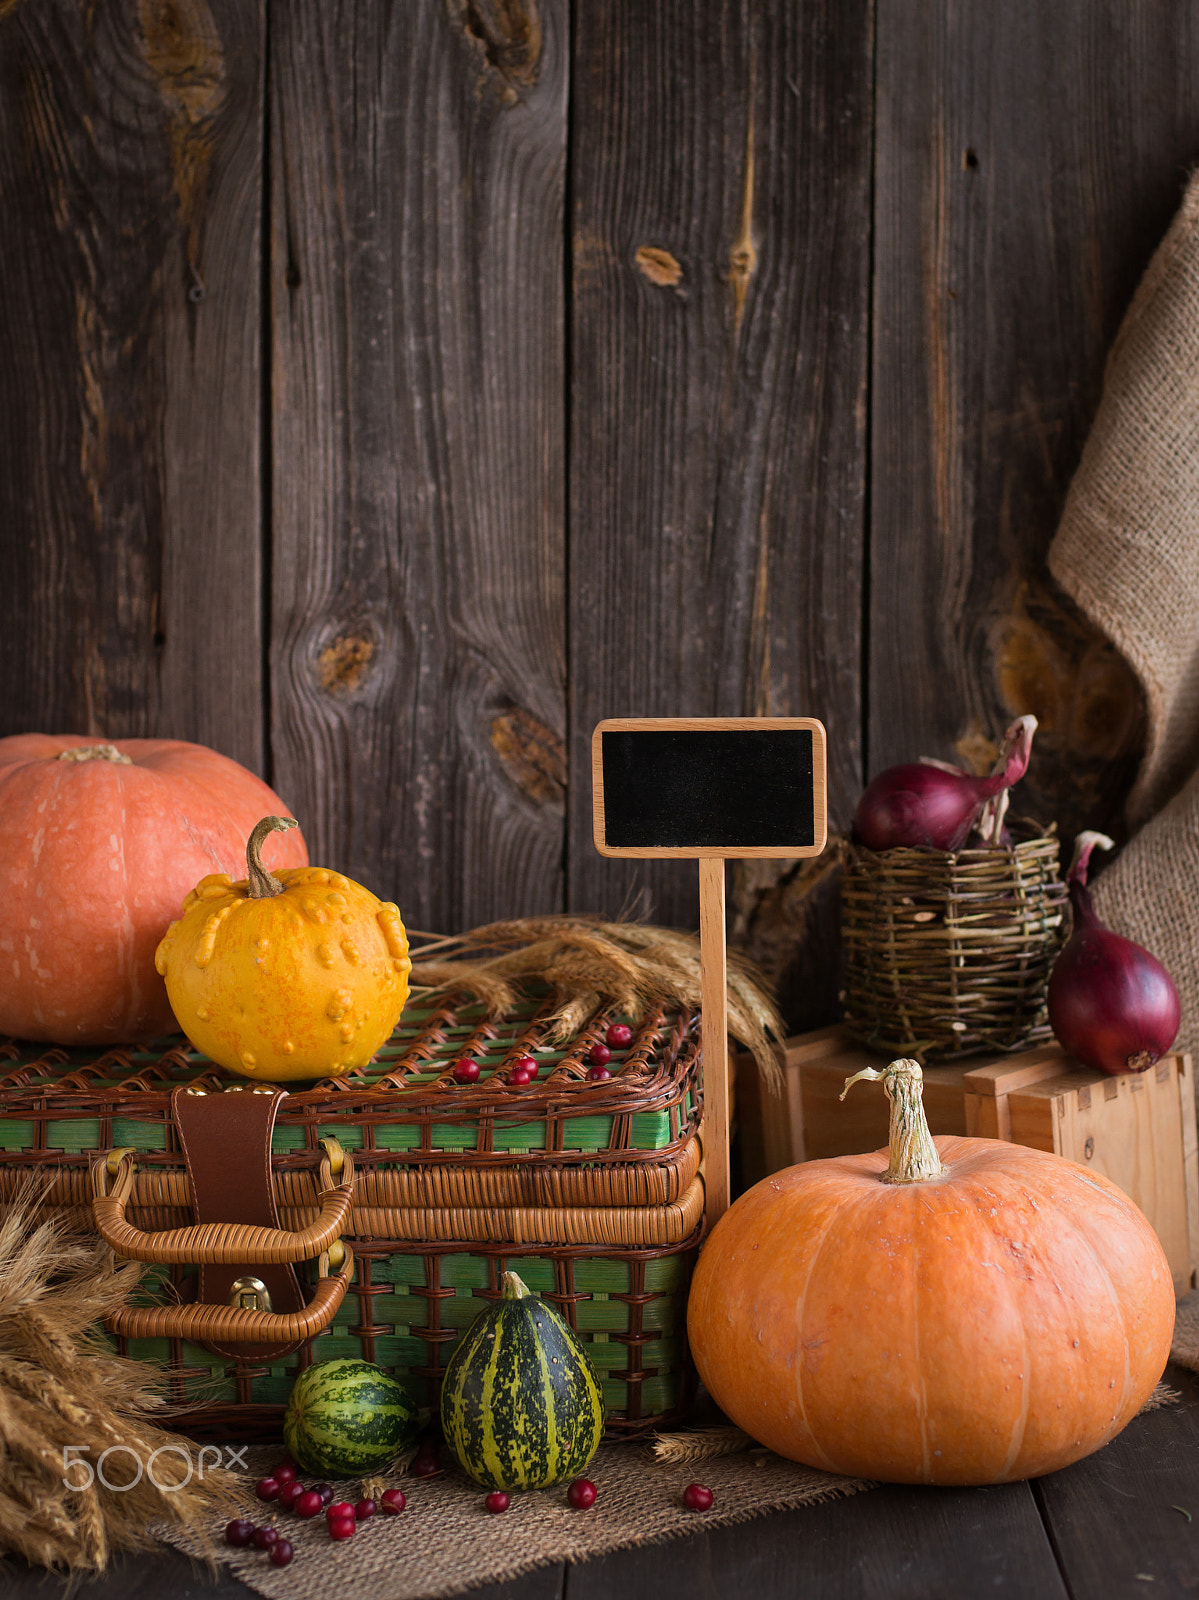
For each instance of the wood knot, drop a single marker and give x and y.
(182, 48)
(344, 662)
(742, 262)
(659, 266)
(506, 38)
(534, 756)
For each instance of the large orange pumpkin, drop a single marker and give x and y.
(957, 1311)
(99, 843)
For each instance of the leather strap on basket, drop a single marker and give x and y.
(226, 1141)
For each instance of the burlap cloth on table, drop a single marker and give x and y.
(1127, 552)
(1185, 1349)
(446, 1541)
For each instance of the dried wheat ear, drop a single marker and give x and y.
(65, 1397)
(590, 965)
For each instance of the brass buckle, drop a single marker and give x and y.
(250, 1294)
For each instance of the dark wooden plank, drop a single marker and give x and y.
(720, 229)
(130, 167)
(167, 1575)
(1114, 1518)
(1029, 158)
(546, 1583)
(889, 1544)
(154, 1576)
(417, 161)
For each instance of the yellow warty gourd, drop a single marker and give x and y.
(302, 974)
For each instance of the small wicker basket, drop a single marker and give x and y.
(948, 953)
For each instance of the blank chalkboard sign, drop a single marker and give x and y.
(718, 786)
(710, 787)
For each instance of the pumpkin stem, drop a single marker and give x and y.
(514, 1289)
(95, 752)
(914, 1157)
(264, 884)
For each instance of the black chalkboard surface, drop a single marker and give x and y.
(709, 786)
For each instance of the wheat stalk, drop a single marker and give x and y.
(700, 1444)
(589, 965)
(61, 1387)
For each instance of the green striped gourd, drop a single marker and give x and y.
(345, 1418)
(520, 1403)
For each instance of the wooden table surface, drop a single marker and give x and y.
(1117, 1525)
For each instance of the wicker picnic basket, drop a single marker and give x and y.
(948, 953)
(381, 1208)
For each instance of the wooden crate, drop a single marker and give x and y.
(1138, 1130)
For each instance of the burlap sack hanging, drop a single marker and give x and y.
(1127, 551)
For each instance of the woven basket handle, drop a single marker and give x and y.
(216, 1243)
(201, 1324)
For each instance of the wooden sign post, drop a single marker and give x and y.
(709, 788)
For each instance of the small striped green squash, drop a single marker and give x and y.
(520, 1402)
(345, 1418)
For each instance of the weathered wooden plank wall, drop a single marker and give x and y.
(418, 434)
(130, 512)
(390, 390)
(720, 314)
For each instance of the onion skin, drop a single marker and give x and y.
(1112, 1005)
(922, 804)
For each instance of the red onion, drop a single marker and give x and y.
(925, 804)
(1112, 1005)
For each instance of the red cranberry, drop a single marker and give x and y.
(392, 1502)
(239, 1532)
(342, 1527)
(518, 1077)
(285, 1472)
(364, 1509)
(267, 1488)
(598, 1074)
(527, 1064)
(325, 1490)
(343, 1508)
(619, 1036)
(599, 1055)
(466, 1070)
(497, 1501)
(264, 1538)
(290, 1493)
(581, 1494)
(281, 1552)
(308, 1504)
(697, 1498)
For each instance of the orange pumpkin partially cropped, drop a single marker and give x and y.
(997, 1316)
(99, 843)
